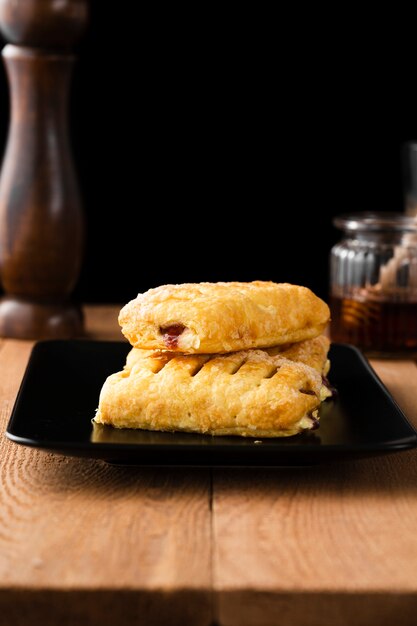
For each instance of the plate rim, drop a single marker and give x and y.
(273, 444)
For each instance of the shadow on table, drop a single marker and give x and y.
(391, 474)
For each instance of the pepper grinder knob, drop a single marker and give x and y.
(41, 217)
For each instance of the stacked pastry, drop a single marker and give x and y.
(232, 358)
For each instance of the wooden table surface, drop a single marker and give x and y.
(83, 542)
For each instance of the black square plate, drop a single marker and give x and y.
(59, 394)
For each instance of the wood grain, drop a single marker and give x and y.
(400, 379)
(289, 542)
(89, 543)
(50, 607)
(41, 217)
(95, 543)
(101, 322)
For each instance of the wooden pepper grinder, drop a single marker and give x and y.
(41, 219)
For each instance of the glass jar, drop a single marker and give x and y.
(373, 275)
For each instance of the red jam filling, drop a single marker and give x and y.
(316, 422)
(170, 335)
(307, 392)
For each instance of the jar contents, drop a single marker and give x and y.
(374, 324)
(373, 297)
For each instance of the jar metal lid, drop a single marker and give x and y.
(376, 221)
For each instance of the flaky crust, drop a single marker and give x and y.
(248, 393)
(311, 352)
(223, 317)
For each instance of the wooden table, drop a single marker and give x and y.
(83, 542)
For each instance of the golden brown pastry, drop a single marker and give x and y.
(212, 318)
(249, 393)
(310, 352)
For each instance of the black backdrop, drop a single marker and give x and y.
(212, 157)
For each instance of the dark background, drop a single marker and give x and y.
(223, 155)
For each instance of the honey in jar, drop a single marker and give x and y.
(373, 275)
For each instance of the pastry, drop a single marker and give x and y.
(251, 393)
(311, 353)
(210, 318)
